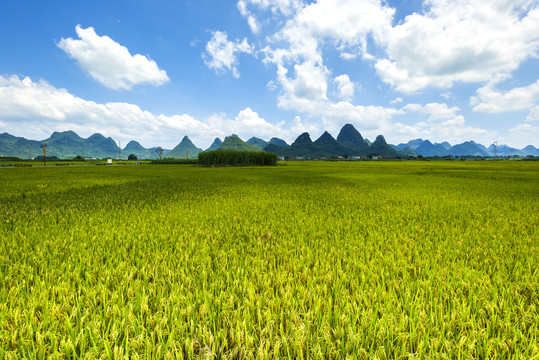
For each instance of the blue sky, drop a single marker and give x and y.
(154, 71)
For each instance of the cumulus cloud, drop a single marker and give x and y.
(449, 41)
(111, 63)
(304, 91)
(39, 108)
(299, 126)
(221, 54)
(446, 42)
(282, 7)
(458, 41)
(246, 124)
(296, 49)
(437, 112)
(533, 116)
(519, 133)
(341, 24)
(491, 100)
(25, 104)
(443, 123)
(345, 87)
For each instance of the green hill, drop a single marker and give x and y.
(257, 142)
(133, 147)
(350, 137)
(19, 147)
(327, 146)
(278, 142)
(429, 149)
(99, 146)
(467, 148)
(214, 145)
(233, 142)
(380, 147)
(67, 145)
(185, 148)
(303, 146)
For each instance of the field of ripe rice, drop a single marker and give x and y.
(357, 260)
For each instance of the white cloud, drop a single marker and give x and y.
(221, 54)
(449, 41)
(305, 91)
(437, 112)
(448, 95)
(458, 41)
(345, 87)
(371, 119)
(42, 108)
(248, 122)
(521, 134)
(277, 7)
(442, 124)
(111, 63)
(490, 100)
(299, 127)
(341, 24)
(36, 109)
(533, 116)
(251, 19)
(297, 48)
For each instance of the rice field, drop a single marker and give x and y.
(306, 260)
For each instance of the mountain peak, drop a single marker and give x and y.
(186, 142)
(133, 146)
(350, 137)
(380, 147)
(380, 140)
(326, 136)
(184, 148)
(304, 138)
(257, 142)
(64, 134)
(95, 136)
(278, 142)
(215, 144)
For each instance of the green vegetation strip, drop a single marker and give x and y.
(364, 260)
(236, 158)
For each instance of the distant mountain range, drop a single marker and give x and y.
(468, 148)
(349, 142)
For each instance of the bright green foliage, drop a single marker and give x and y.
(358, 260)
(236, 158)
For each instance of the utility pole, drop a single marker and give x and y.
(119, 149)
(44, 154)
